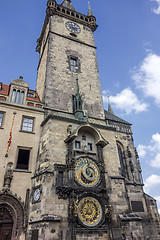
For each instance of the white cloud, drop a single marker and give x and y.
(156, 10)
(152, 151)
(156, 161)
(156, 141)
(147, 77)
(105, 92)
(157, 198)
(151, 182)
(142, 151)
(127, 101)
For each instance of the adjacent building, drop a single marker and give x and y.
(21, 114)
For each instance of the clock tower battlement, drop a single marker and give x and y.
(66, 46)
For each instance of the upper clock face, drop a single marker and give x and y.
(90, 211)
(86, 172)
(73, 27)
(36, 194)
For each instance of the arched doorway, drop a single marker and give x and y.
(6, 224)
(11, 217)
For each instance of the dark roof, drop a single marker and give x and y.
(110, 116)
(68, 4)
(90, 13)
(148, 196)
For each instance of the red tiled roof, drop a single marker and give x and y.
(5, 89)
(35, 98)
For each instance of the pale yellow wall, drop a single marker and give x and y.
(21, 180)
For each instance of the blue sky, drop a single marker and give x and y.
(128, 49)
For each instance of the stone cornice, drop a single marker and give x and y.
(73, 120)
(21, 106)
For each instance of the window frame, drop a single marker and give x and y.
(122, 160)
(29, 158)
(73, 65)
(31, 95)
(90, 146)
(18, 97)
(1, 123)
(13, 97)
(27, 117)
(77, 142)
(35, 234)
(70, 58)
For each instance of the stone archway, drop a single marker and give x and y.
(14, 209)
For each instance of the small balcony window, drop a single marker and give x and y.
(77, 144)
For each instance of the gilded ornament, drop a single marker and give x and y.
(90, 211)
(86, 172)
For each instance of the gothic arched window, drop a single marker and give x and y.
(13, 95)
(21, 97)
(123, 170)
(17, 96)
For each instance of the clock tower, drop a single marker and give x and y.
(87, 182)
(66, 46)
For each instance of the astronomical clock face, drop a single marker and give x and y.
(86, 172)
(89, 211)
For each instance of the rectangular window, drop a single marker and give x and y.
(60, 178)
(34, 234)
(77, 144)
(23, 159)
(73, 65)
(1, 119)
(27, 124)
(90, 147)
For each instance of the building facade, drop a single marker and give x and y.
(21, 114)
(77, 175)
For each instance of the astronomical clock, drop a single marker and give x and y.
(82, 180)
